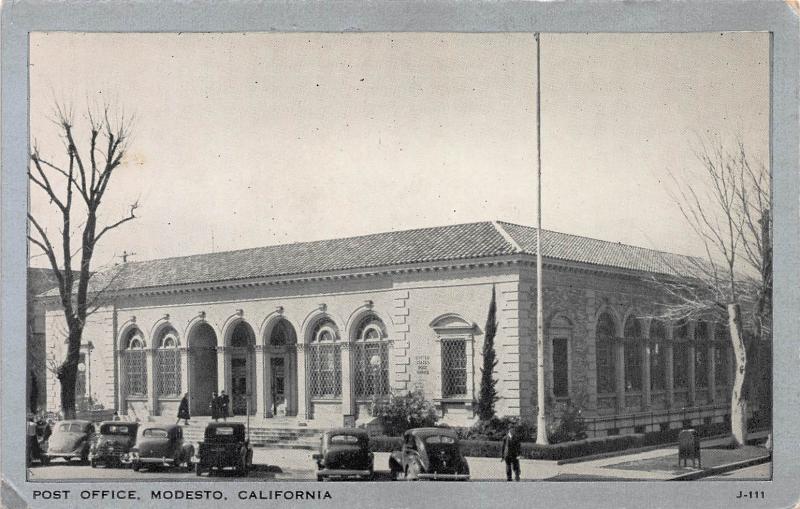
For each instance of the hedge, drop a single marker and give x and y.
(491, 449)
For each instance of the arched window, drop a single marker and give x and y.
(722, 345)
(134, 364)
(701, 336)
(325, 360)
(658, 370)
(168, 364)
(282, 334)
(680, 355)
(606, 364)
(560, 334)
(371, 356)
(633, 355)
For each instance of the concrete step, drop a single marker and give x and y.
(268, 437)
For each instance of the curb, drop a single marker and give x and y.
(720, 469)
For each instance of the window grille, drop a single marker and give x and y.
(721, 365)
(560, 367)
(680, 355)
(701, 355)
(454, 367)
(370, 341)
(633, 355)
(606, 360)
(633, 366)
(658, 367)
(721, 355)
(168, 371)
(135, 365)
(371, 380)
(325, 361)
(680, 365)
(80, 379)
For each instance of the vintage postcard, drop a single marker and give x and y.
(259, 254)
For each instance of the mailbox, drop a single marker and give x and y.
(688, 447)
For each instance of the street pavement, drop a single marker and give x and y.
(297, 464)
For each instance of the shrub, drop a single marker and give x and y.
(399, 413)
(568, 424)
(497, 427)
(385, 444)
(578, 448)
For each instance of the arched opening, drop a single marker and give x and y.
(371, 356)
(282, 358)
(168, 363)
(242, 369)
(202, 343)
(324, 360)
(134, 368)
(605, 333)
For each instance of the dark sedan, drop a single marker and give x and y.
(429, 454)
(344, 453)
(115, 442)
(225, 445)
(70, 439)
(161, 446)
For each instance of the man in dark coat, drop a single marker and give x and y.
(183, 409)
(224, 405)
(510, 454)
(214, 406)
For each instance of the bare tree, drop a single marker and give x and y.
(728, 207)
(75, 187)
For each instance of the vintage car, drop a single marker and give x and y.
(70, 439)
(429, 453)
(344, 453)
(160, 445)
(225, 445)
(115, 441)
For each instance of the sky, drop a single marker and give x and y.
(245, 140)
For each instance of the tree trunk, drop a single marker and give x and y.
(68, 373)
(738, 403)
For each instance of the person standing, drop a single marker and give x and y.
(183, 409)
(214, 406)
(510, 454)
(224, 405)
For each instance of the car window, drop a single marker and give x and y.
(440, 439)
(70, 427)
(224, 431)
(344, 439)
(118, 430)
(155, 432)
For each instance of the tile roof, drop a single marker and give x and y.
(436, 244)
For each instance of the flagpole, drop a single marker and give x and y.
(541, 417)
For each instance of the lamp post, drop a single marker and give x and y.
(375, 362)
(89, 348)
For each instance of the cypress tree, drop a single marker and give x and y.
(488, 394)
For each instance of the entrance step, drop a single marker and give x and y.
(262, 436)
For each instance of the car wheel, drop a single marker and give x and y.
(198, 470)
(394, 474)
(136, 466)
(93, 463)
(320, 478)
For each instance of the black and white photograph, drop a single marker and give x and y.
(270, 261)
